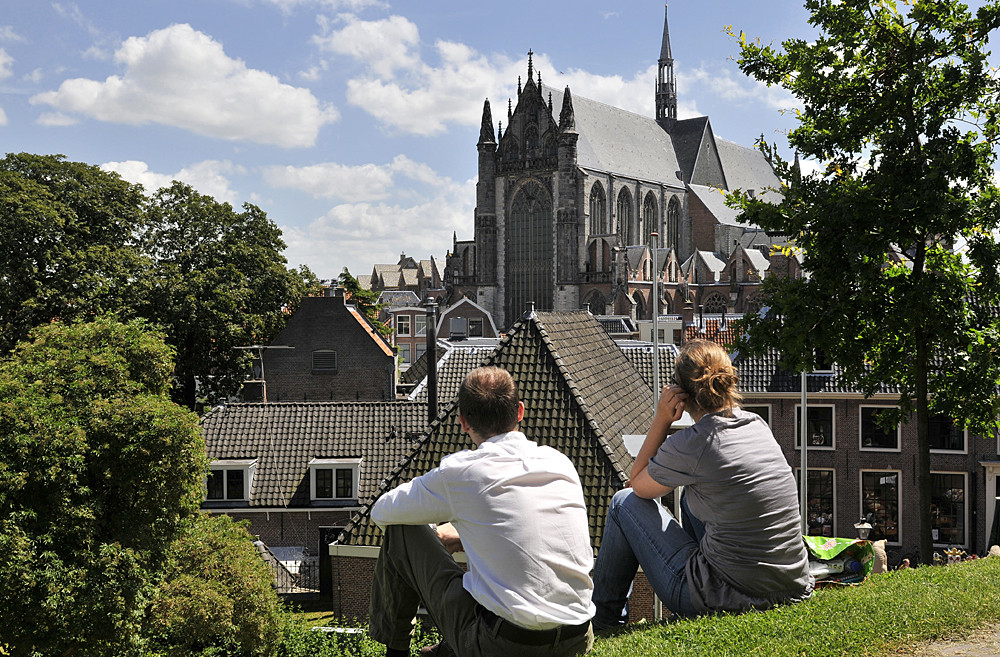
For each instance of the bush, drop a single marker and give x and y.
(217, 597)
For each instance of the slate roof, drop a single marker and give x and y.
(581, 395)
(617, 324)
(687, 135)
(714, 200)
(764, 374)
(617, 141)
(748, 169)
(284, 436)
(399, 298)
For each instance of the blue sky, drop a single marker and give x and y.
(352, 123)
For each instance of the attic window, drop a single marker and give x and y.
(229, 480)
(475, 327)
(334, 480)
(324, 360)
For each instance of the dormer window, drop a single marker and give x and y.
(334, 480)
(230, 480)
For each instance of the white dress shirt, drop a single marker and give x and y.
(519, 510)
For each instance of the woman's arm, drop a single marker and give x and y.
(669, 409)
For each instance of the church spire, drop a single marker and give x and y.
(486, 129)
(567, 117)
(666, 85)
(529, 64)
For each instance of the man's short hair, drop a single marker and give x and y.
(488, 401)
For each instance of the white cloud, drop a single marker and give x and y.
(288, 6)
(723, 83)
(207, 177)
(3, 117)
(180, 77)
(418, 219)
(6, 61)
(35, 76)
(56, 119)
(354, 184)
(383, 45)
(8, 35)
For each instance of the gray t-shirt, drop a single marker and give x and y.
(740, 485)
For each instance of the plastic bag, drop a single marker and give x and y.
(824, 554)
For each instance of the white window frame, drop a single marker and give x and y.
(405, 353)
(965, 505)
(247, 466)
(798, 487)
(861, 444)
(352, 463)
(965, 445)
(899, 499)
(752, 405)
(402, 319)
(828, 370)
(833, 426)
(419, 330)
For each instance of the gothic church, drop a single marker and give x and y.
(569, 195)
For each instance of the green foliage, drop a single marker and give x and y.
(218, 282)
(67, 231)
(900, 108)
(98, 469)
(298, 639)
(366, 301)
(217, 596)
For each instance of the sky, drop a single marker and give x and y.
(352, 123)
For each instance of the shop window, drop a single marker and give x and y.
(880, 503)
(948, 508)
(819, 501)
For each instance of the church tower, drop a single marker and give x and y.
(666, 84)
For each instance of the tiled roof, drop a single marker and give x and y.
(617, 324)
(764, 374)
(581, 395)
(365, 281)
(640, 354)
(452, 368)
(712, 328)
(369, 328)
(398, 298)
(714, 200)
(284, 436)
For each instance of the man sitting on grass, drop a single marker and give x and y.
(517, 509)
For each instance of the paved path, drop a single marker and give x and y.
(981, 643)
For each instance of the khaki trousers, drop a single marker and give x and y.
(414, 566)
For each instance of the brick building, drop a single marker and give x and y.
(328, 351)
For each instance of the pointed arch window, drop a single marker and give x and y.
(715, 304)
(671, 237)
(529, 275)
(624, 212)
(649, 218)
(598, 210)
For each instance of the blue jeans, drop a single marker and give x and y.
(642, 532)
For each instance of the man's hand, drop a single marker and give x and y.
(449, 537)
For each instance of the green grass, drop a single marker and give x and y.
(888, 612)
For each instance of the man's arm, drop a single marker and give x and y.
(418, 502)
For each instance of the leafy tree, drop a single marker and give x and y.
(900, 106)
(218, 282)
(217, 597)
(366, 301)
(68, 236)
(98, 469)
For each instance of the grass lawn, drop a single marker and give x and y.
(888, 612)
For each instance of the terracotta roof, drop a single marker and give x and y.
(284, 436)
(581, 395)
(712, 328)
(370, 329)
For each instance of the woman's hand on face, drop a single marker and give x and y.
(671, 403)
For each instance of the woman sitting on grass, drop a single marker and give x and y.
(741, 544)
